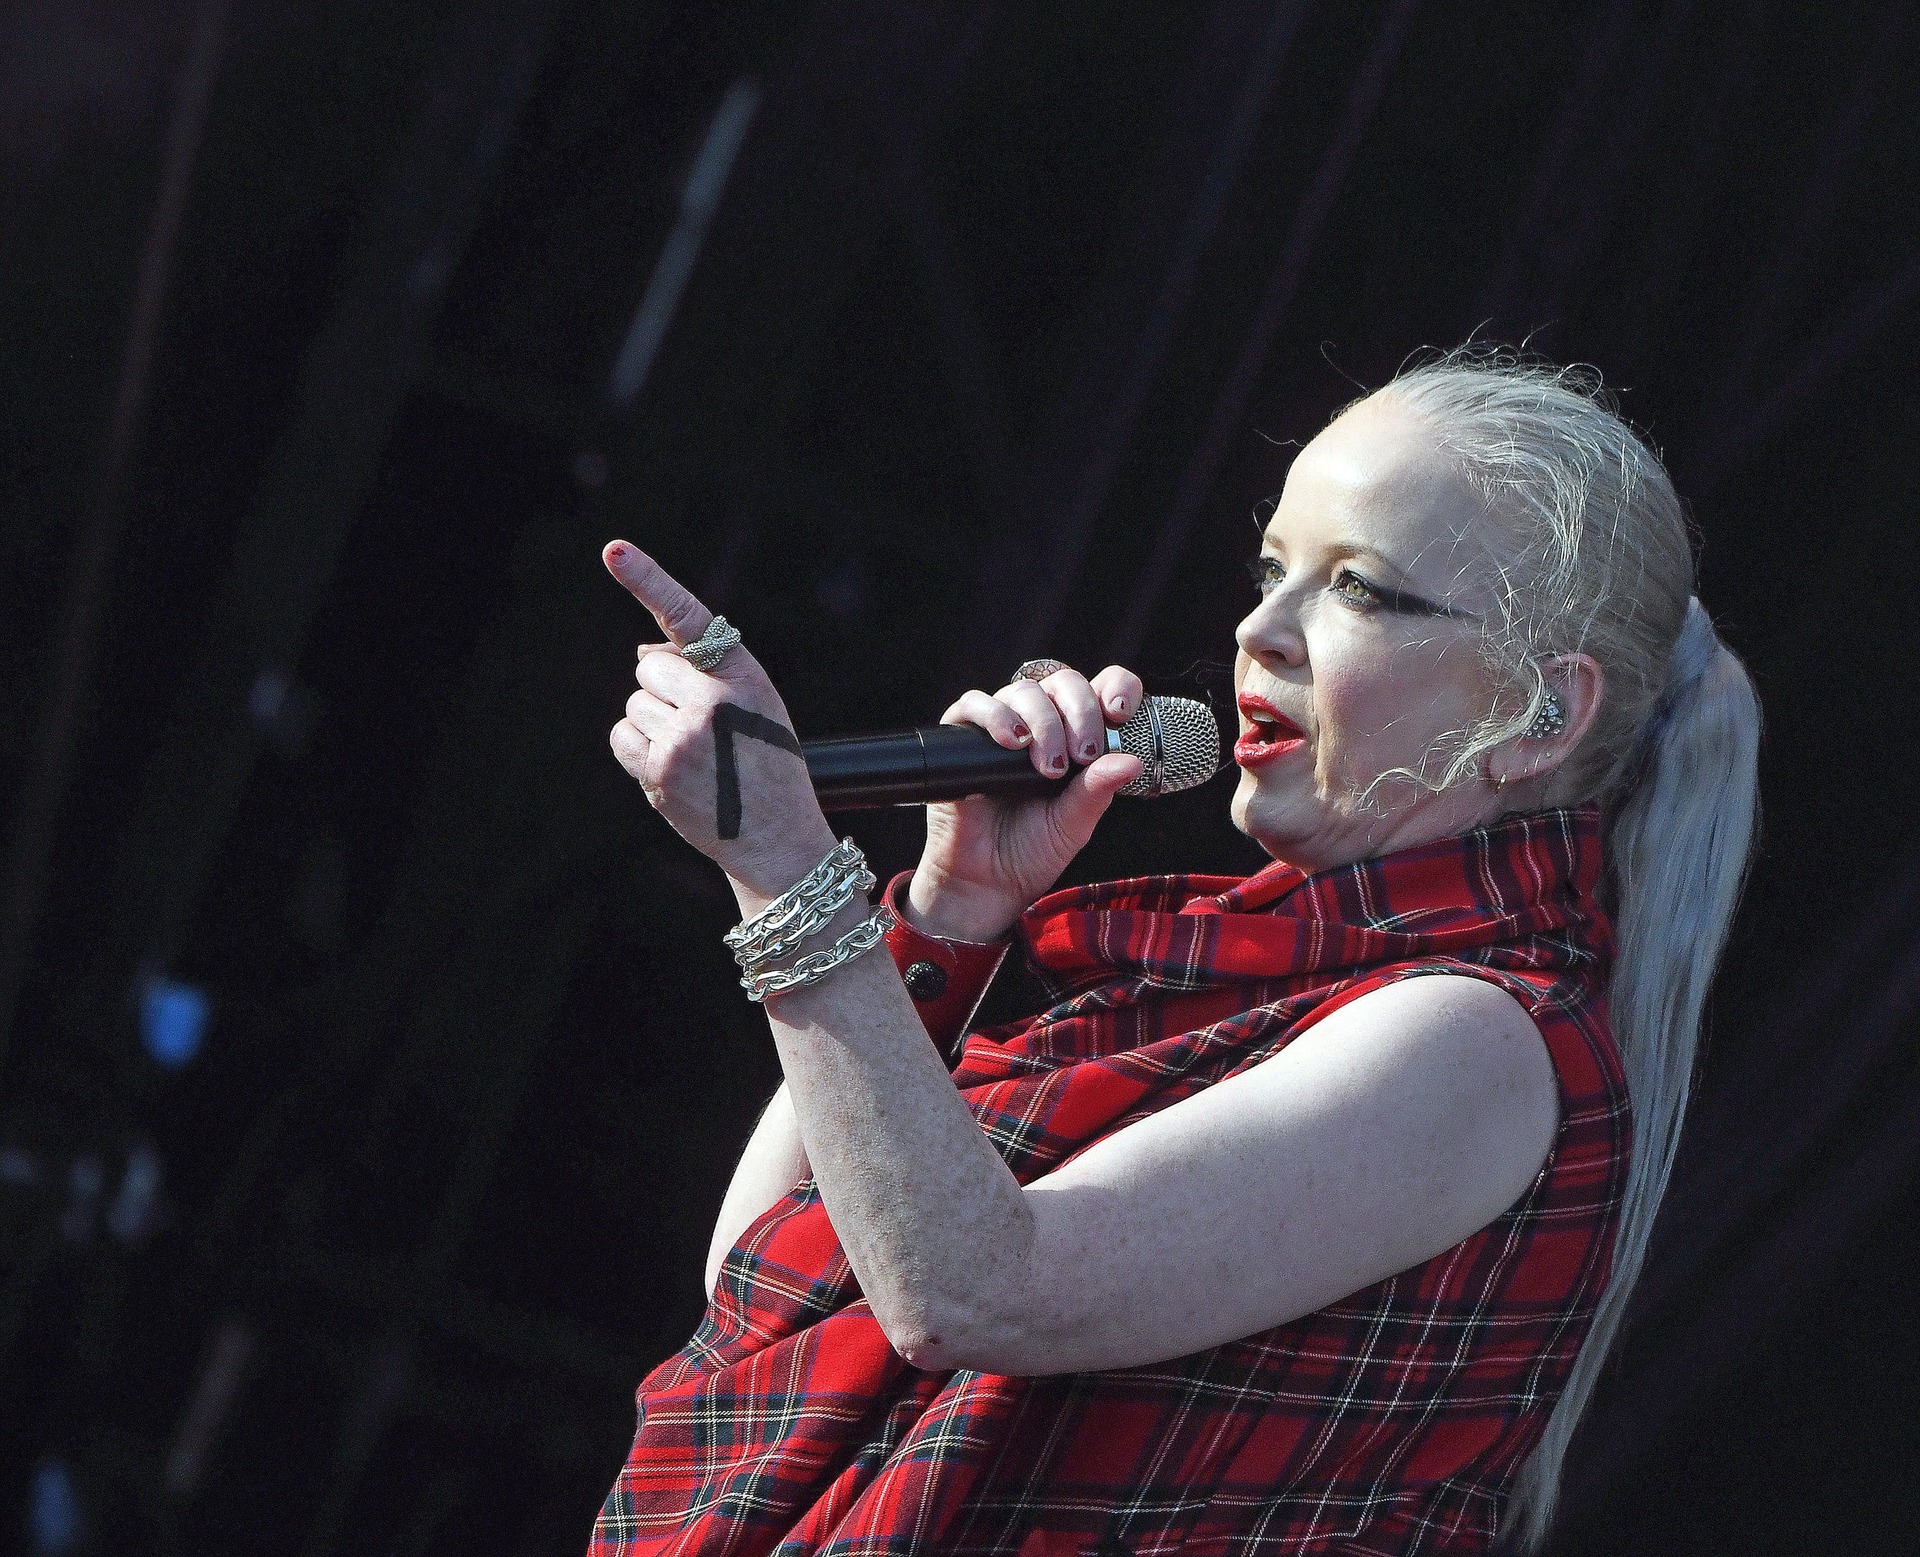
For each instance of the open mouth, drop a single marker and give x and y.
(1269, 733)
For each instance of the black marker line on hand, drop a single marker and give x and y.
(730, 720)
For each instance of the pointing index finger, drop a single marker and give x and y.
(681, 617)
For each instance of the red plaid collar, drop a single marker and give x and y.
(1520, 877)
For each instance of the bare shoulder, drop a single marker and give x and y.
(1444, 1038)
(1466, 1017)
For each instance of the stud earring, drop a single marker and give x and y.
(1551, 719)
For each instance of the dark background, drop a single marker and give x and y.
(1006, 320)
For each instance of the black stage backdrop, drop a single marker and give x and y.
(921, 338)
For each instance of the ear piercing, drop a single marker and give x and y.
(1551, 719)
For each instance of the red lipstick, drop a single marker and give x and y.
(1269, 736)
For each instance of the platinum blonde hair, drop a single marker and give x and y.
(1593, 554)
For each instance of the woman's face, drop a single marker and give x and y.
(1362, 653)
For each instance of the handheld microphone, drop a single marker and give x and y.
(1176, 737)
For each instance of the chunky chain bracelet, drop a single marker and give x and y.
(811, 917)
(771, 927)
(863, 937)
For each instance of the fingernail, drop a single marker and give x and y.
(1090, 751)
(616, 551)
(1056, 764)
(1117, 705)
(1022, 734)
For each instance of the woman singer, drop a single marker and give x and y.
(1303, 1218)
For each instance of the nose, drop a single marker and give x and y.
(1271, 630)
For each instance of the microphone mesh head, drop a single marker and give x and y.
(1179, 741)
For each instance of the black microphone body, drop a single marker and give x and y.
(915, 767)
(951, 761)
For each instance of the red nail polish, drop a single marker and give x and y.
(1022, 733)
(616, 551)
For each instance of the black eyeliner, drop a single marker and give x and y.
(1393, 599)
(1411, 605)
(1406, 604)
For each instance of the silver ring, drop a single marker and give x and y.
(1037, 670)
(711, 646)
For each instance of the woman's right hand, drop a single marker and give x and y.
(988, 858)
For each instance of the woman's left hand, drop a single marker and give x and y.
(677, 722)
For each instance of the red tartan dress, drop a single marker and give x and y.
(1392, 1421)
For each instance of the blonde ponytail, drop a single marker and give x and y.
(1678, 843)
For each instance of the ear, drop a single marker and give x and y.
(1581, 687)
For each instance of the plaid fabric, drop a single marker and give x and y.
(1390, 1422)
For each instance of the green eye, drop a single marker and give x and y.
(1267, 573)
(1351, 586)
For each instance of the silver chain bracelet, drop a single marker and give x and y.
(811, 917)
(863, 937)
(753, 939)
